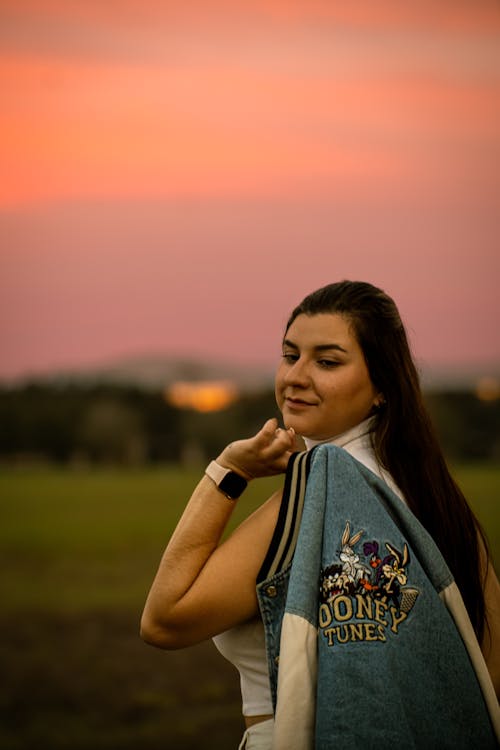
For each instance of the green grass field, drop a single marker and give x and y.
(76, 541)
(78, 553)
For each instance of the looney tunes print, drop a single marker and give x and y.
(364, 596)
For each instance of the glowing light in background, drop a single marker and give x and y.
(488, 388)
(205, 396)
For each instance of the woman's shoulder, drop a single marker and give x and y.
(361, 448)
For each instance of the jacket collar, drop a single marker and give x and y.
(356, 432)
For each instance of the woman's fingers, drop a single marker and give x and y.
(264, 454)
(284, 439)
(273, 456)
(271, 434)
(267, 432)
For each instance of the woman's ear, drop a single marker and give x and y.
(379, 402)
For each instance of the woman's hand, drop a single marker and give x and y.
(262, 455)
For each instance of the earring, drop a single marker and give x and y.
(379, 405)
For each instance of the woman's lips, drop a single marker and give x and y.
(297, 403)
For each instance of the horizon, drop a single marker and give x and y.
(154, 368)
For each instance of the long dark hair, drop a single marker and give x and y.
(403, 438)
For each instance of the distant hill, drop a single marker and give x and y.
(154, 372)
(465, 376)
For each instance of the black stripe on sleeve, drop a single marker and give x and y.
(282, 547)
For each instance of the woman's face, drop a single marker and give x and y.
(323, 387)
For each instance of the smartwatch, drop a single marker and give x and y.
(228, 482)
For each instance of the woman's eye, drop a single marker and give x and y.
(288, 357)
(328, 363)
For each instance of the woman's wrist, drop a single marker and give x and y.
(224, 460)
(231, 483)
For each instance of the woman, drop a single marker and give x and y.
(346, 377)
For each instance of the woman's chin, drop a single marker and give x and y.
(292, 421)
(300, 427)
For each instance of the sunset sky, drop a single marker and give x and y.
(177, 176)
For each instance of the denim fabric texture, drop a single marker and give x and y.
(272, 596)
(392, 665)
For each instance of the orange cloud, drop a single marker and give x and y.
(303, 111)
(74, 130)
(447, 14)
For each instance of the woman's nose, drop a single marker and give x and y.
(298, 374)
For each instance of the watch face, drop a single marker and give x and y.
(233, 485)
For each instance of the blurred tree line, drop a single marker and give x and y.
(108, 424)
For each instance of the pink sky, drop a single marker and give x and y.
(175, 181)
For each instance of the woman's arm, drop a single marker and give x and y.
(203, 587)
(491, 639)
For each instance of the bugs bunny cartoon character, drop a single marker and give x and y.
(352, 569)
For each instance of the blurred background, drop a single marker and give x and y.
(176, 177)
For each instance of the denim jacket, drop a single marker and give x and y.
(367, 637)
